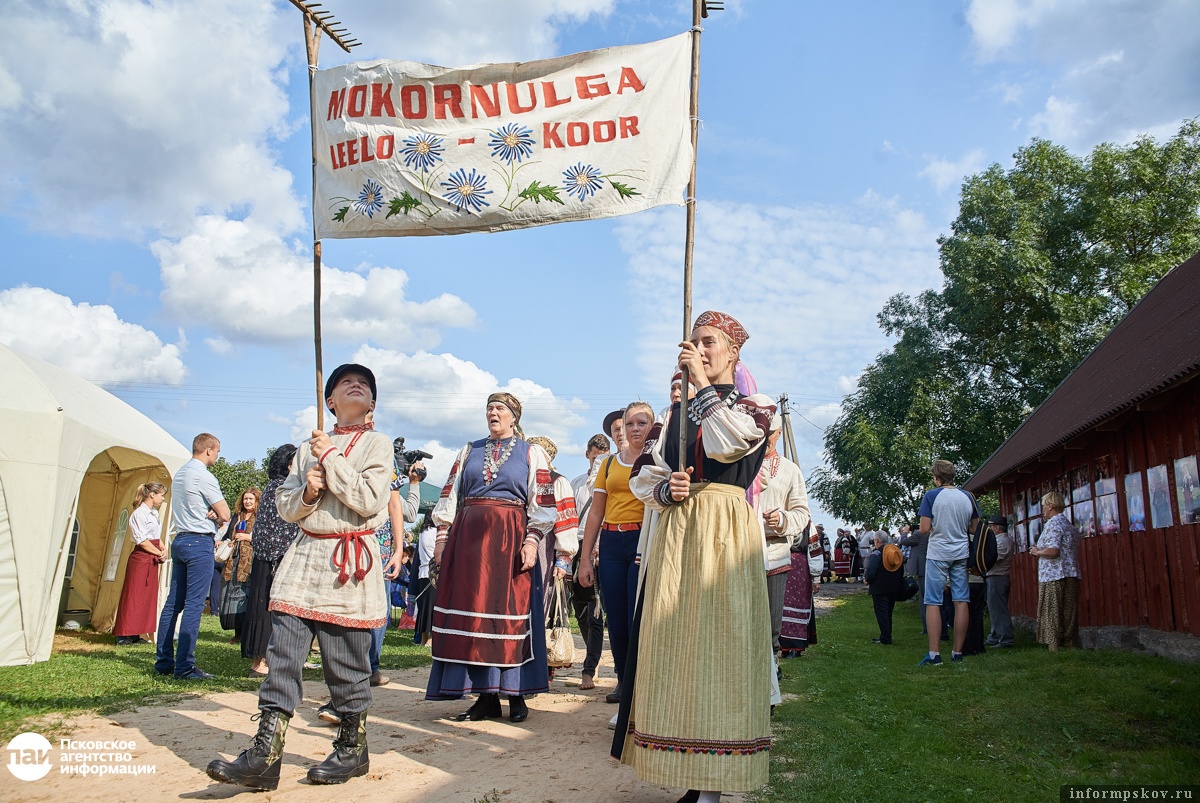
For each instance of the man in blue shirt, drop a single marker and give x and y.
(198, 510)
(948, 515)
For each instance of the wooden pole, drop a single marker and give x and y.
(312, 43)
(316, 23)
(690, 238)
(789, 442)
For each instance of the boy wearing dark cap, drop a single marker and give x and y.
(325, 587)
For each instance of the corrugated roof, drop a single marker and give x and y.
(1154, 346)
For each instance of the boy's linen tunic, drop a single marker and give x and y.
(354, 501)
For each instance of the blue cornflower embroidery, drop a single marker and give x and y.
(511, 143)
(582, 181)
(370, 200)
(465, 190)
(422, 151)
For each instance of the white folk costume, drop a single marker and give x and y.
(324, 575)
(326, 587)
(783, 489)
(564, 542)
(488, 620)
(699, 663)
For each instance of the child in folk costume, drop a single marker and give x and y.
(326, 587)
(784, 508)
(699, 663)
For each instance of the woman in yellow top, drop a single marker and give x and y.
(616, 516)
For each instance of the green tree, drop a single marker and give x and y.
(234, 478)
(1041, 262)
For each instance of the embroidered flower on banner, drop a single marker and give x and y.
(465, 190)
(370, 200)
(423, 151)
(582, 181)
(511, 143)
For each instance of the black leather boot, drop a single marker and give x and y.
(349, 758)
(486, 707)
(517, 710)
(257, 766)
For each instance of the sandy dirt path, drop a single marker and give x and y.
(559, 754)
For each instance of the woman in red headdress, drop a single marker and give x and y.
(699, 663)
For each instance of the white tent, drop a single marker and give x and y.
(71, 457)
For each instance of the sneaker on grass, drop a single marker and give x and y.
(931, 660)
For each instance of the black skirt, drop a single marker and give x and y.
(256, 626)
(425, 598)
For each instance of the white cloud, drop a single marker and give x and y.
(244, 280)
(218, 345)
(436, 402)
(441, 397)
(846, 384)
(516, 30)
(1121, 67)
(88, 340)
(946, 174)
(131, 116)
(807, 282)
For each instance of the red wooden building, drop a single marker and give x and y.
(1120, 437)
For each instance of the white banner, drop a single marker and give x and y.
(409, 149)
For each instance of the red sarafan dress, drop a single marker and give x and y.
(137, 612)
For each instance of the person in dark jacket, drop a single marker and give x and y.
(885, 577)
(917, 542)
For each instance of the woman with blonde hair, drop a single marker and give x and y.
(137, 613)
(616, 518)
(696, 711)
(1057, 551)
(235, 592)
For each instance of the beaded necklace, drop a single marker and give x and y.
(498, 452)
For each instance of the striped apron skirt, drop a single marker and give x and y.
(699, 663)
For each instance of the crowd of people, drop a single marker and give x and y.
(696, 548)
(928, 560)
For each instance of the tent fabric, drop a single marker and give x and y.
(60, 429)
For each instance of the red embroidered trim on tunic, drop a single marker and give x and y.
(449, 486)
(736, 747)
(331, 618)
(545, 488)
(338, 429)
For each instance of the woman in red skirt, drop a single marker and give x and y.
(495, 510)
(137, 614)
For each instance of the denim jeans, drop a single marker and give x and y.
(191, 573)
(618, 575)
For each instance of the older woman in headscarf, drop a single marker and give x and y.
(699, 663)
(496, 509)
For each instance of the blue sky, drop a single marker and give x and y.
(155, 188)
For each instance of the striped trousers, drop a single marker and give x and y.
(344, 660)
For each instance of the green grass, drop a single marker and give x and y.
(862, 720)
(88, 672)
